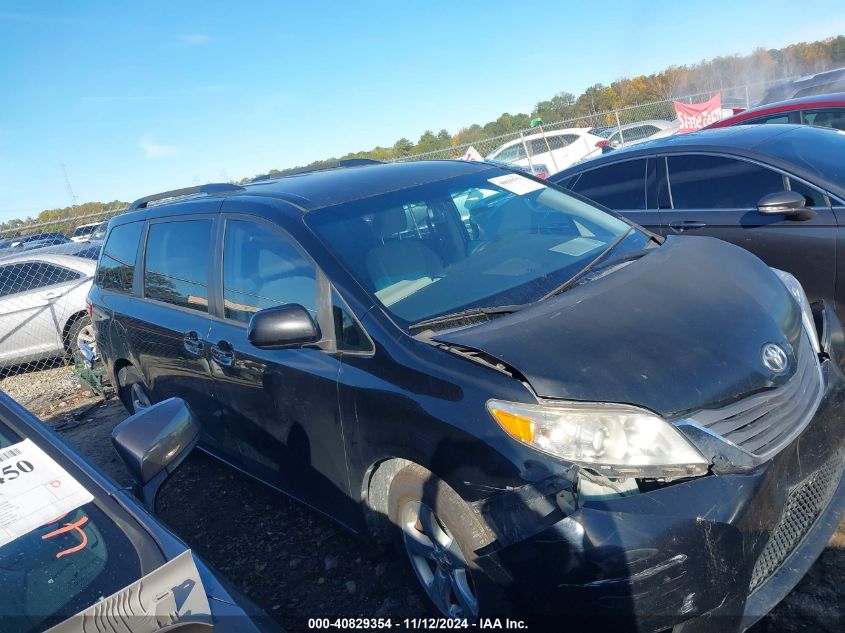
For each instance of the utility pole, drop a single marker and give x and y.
(71, 196)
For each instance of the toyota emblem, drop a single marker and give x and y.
(775, 358)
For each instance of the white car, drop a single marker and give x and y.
(43, 306)
(83, 232)
(558, 149)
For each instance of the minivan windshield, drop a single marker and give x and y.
(485, 240)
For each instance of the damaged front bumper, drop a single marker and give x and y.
(714, 553)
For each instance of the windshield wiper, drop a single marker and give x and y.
(463, 315)
(566, 285)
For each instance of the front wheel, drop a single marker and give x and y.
(438, 534)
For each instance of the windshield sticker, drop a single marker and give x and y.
(577, 246)
(402, 290)
(34, 490)
(520, 185)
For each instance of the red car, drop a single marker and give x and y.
(820, 110)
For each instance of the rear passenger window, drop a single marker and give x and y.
(775, 118)
(639, 132)
(832, 118)
(177, 262)
(42, 274)
(261, 269)
(511, 154)
(27, 276)
(8, 277)
(117, 265)
(617, 186)
(713, 182)
(551, 142)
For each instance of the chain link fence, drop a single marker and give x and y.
(549, 148)
(46, 270)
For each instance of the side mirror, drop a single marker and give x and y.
(283, 326)
(153, 442)
(790, 204)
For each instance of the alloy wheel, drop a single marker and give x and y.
(438, 562)
(85, 336)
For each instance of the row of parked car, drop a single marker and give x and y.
(553, 404)
(548, 152)
(82, 233)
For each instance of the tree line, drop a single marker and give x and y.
(66, 214)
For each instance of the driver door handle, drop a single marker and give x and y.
(192, 343)
(686, 225)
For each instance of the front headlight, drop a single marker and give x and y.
(612, 439)
(797, 291)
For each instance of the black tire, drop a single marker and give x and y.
(132, 390)
(416, 485)
(75, 329)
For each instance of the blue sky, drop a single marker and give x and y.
(146, 96)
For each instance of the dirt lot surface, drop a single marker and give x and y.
(297, 564)
(51, 391)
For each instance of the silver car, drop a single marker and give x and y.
(639, 132)
(43, 306)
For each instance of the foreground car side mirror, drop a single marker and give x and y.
(153, 442)
(790, 204)
(283, 326)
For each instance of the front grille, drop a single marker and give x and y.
(806, 501)
(764, 423)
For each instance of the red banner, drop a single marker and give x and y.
(694, 116)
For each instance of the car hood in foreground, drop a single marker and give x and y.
(682, 328)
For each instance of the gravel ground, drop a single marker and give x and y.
(297, 564)
(45, 392)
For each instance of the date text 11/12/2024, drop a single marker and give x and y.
(415, 624)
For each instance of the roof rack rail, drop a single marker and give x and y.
(335, 164)
(210, 188)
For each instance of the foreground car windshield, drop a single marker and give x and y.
(62, 567)
(490, 239)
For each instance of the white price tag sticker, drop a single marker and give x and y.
(520, 185)
(34, 490)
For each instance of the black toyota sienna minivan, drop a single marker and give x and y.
(551, 411)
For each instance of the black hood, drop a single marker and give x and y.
(679, 329)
